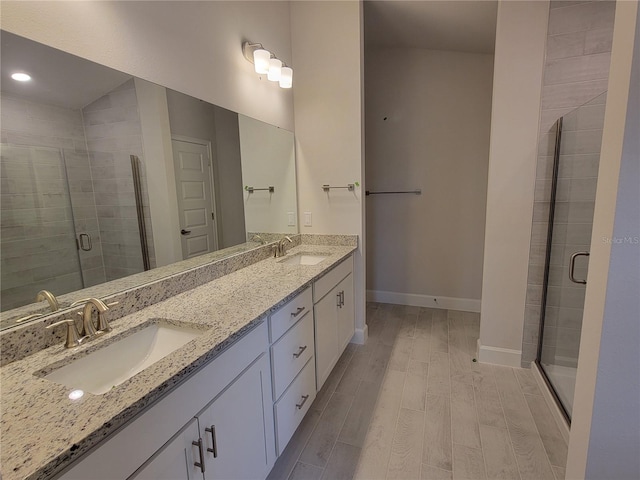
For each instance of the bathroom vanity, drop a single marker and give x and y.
(224, 405)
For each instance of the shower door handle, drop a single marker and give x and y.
(572, 266)
(85, 242)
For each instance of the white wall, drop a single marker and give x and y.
(268, 159)
(427, 127)
(328, 101)
(605, 428)
(158, 164)
(192, 47)
(517, 82)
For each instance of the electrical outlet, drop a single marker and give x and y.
(291, 219)
(307, 219)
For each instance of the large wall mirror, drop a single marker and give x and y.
(106, 177)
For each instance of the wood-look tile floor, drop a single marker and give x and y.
(411, 404)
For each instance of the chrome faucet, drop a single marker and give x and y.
(49, 297)
(279, 249)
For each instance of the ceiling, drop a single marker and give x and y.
(463, 26)
(58, 78)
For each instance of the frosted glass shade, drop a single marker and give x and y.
(286, 77)
(261, 59)
(275, 67)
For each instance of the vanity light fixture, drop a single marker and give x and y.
(261, 59)
(286, 77)
(265, 62)
(21, 77)
(275, 67)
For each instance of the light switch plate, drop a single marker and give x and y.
(307, 219)
(291, 219)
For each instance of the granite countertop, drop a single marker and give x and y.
(43, 431)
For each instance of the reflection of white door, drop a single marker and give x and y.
(195, 197)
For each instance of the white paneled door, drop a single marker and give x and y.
(194, 186)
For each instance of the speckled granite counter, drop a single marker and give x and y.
(43, 431)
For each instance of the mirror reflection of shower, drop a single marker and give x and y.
(38, 228)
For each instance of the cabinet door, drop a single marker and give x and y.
(346, 313)
(325, 314)
(237, 431)
(176, 460)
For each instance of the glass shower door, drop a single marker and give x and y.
(579, 137)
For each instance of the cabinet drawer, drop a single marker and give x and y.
(294, 404)
(324, 285)
(286, 365)
(289, 314)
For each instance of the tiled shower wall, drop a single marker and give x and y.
(113, 132)
(576, 71)
(35, 139)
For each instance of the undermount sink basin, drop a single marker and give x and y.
(304, 259)
(100, 371)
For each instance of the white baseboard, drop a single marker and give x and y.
(449, 303)
(499, 356)
(361, 335)
(551, 403)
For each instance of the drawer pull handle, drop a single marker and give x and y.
(341, 298)
(201, 462)
(302, 349)
(304, 400)
(213, 450)
(339, 304)
(298, 311)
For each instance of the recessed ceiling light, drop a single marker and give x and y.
(21, 77)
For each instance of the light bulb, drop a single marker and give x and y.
(286, 77)
(261, 60)
(275, 67)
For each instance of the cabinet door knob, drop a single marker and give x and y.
(304, 400)
(185, 232)
(213, 450)
(199, 464)
(302, 349)
(298, 311)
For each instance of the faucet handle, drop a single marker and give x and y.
(29, 317)
(73, 337)
(103, 323)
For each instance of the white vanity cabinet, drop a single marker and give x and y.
(176, 460)
(225, 441)
(334, 317)
(229, 400)
(292, 365)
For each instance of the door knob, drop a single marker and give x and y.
(185, 232)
